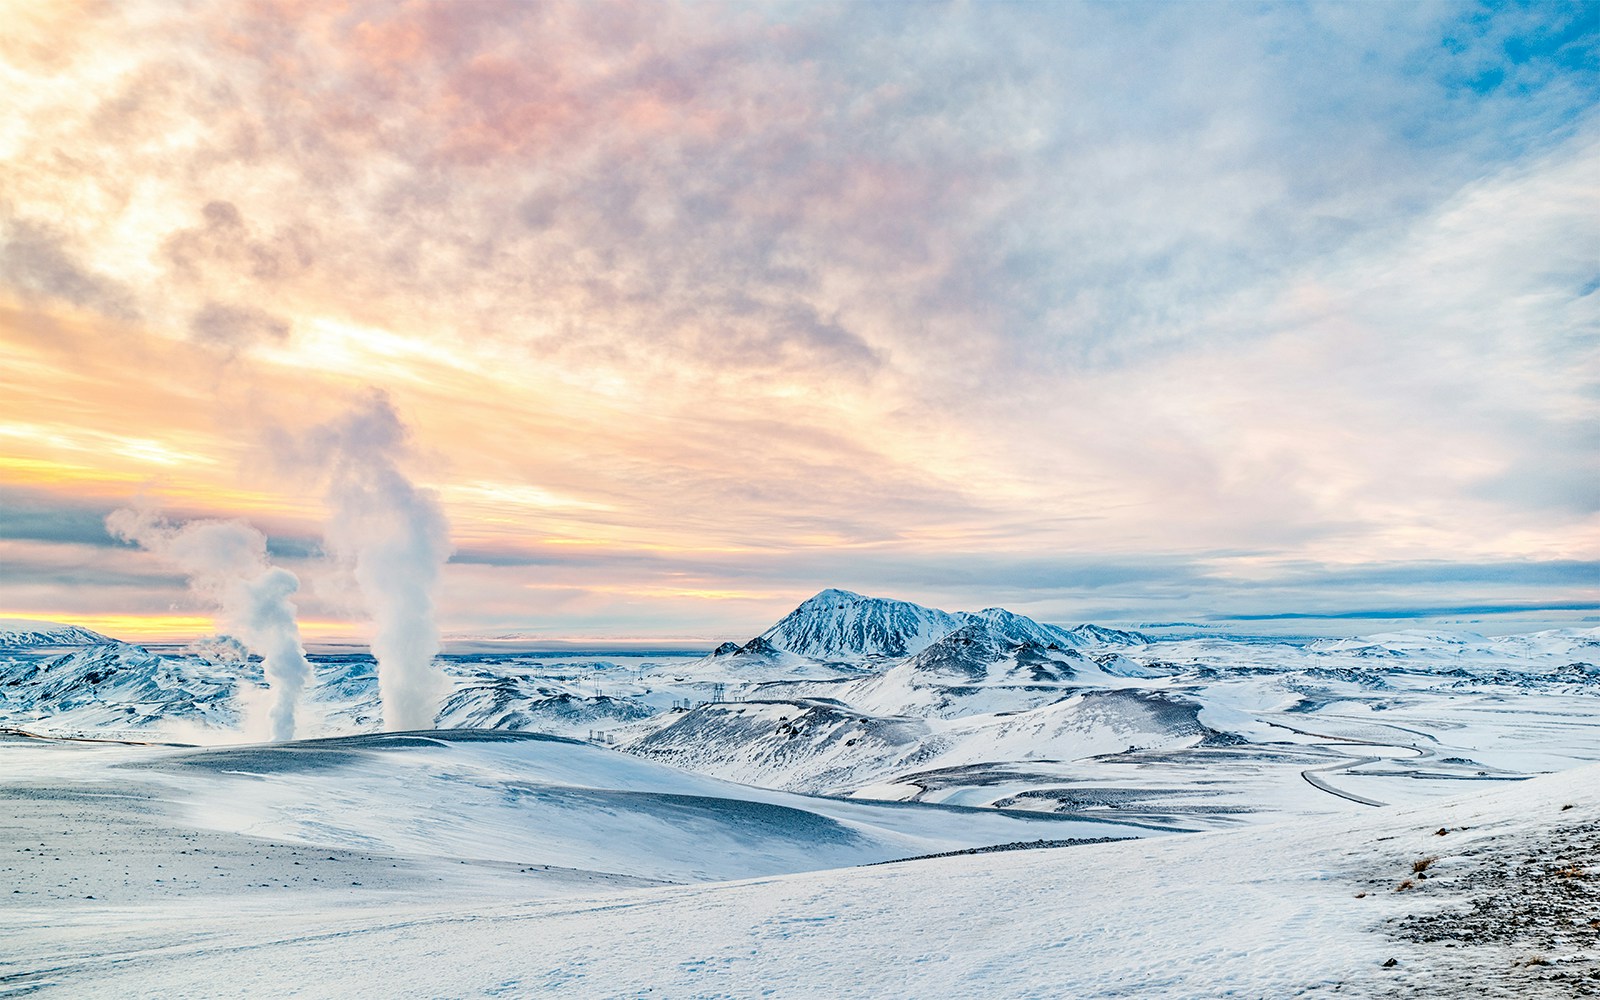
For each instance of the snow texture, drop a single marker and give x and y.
(150, 883)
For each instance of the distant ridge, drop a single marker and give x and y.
(839, 625)
(18, 633)
(1021, 628)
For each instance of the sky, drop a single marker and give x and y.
(1099, 312)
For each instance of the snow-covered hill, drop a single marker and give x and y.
(23, 633)
(824, 746)
(487, 700)
(327, 870)
(117, 688)
(479, 797)
(209, 691)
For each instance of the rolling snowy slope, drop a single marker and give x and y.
(1487, 896)
(367, 864)
(481, 797)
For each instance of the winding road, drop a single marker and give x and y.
(1312, 774)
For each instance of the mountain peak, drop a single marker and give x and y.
(839, 624)
(830, 597)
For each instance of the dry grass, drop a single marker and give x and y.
(1513, 909)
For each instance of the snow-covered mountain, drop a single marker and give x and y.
(838, 624)
(1016, 628)
(1090, 635)
(842, 626)
(988, 650)
(116, 687)
(24, 633)
(1021, 628)
(208, 692)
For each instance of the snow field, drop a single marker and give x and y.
(1298, 909)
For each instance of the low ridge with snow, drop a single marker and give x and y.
(24, 633)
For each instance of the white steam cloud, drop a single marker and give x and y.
(395, 538)
(226, 562)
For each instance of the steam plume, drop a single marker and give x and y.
(395, 538)
(226, 562)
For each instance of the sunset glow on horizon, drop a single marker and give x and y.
(690, 311)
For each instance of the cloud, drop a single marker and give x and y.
(223, 244)
(36, 263)
(236, 326)
(827, 191)
(62, 574)
(936, 290)
(43, 516)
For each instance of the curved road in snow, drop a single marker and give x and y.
(1311, 774)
